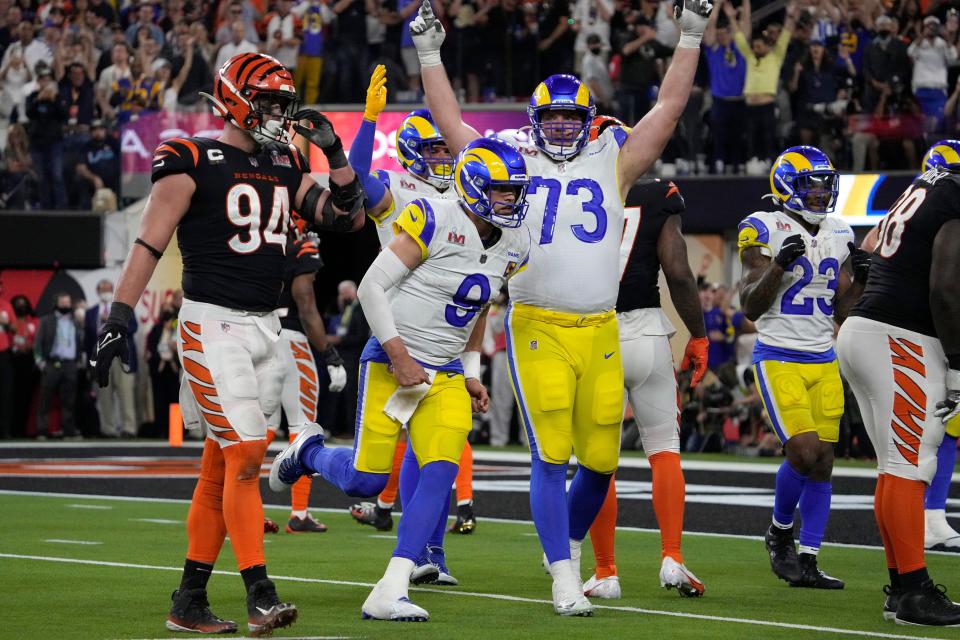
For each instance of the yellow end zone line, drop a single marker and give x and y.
(489, 596)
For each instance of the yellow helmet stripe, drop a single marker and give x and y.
(583, 95)
(423, 127)
(495, 166)
(798, 160)
(949, 153)
(541, 95)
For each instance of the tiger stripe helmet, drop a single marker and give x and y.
(484, 164)
(944, 154)
(799, 176)
(561, 92)
(417, 134)
(246, 87)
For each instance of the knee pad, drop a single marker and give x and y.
(600, 451)
(364, 485)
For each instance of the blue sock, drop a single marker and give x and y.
(409, 476)
(421, 513)
(789, 489)
(814, 511)
(940, 485)
(548, 487)
(436, 538)
(587, 492)
(336, 467)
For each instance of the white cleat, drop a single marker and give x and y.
(568, 600)
(674, 575)
(379, 606)
(286, 468)
(575, 551)
(938, 534)
(605, 588)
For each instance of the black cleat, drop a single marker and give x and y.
(929, 606)
(190, 611)
(783, 553)
(265, 612)
(891, 602)
(269, 526)
(305, 525)
(372, 514)
(466, 522)
(811, 577)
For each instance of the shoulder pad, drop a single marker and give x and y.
(753, 232)
(419, 220)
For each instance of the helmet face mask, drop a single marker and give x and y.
(490, 178)
(273, 112)
(561, 111)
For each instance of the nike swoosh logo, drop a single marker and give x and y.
(107, 339)
(158, 163)
(263, 611)
(413, 217)
(606, 356)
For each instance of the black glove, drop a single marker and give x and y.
(331, 357)
(321, 135)
(112, 342)
(860, 261)
(791, 249)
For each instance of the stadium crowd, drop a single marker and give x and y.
(872, 81)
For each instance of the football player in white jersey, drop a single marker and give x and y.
(425, 296)
(562, 332)
(796, 284)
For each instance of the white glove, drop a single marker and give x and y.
(949, 410)
(338, 377)
(692, 16)
(428, 35)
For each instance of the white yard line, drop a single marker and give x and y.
(62, 541)
(494, 596)
(102, 507)
(156, 520)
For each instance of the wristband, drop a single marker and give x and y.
(336, 158)
(689, 41)
(429, 58)
(471, 364)
(120, 314)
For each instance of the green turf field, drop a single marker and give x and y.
(504, 592)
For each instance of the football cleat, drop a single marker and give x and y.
(432, 569)
(466, 522)
(379, 606)
(286, 468)
(372, 514)
(604, 588)
(269, 526)
(675, 575)
(568, 600)
(811, 577)
(305, 525)
(783, 553)
(891, 602)
(928, 606)
(265, 612)
(424, 572)
(938, 534)
(574, 559)
(190, 611)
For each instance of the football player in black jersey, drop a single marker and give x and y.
(900, 352)
(230, 201)
(652, 241)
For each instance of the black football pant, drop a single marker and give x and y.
(59, 376)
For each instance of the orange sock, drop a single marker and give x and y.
(465, 476)
(669, 491)
(242, 505)
(904, 520)
(205, 526)
(602, 534)
(878, 514)
(271, 436)
(300, 492)
(388, 496)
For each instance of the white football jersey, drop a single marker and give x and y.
(575, 217)
(404, 188)
(801, 316)
(437, 305)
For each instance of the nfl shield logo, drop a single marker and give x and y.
(225, 327)
(253, 162)
(533, 345)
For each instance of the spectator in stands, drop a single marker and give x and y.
(146, 18)
(75, 49)
(590, 17)
(9, 24)
(237, 44)
(283, 40)
(172, 14)
(170, 86)
(118, 397)
(351, 335)
(7, 318)
(555, 38)
(99, 166)
(201, 38)
(760, 89)
(198, 77)
(15, 73)
(931, 55)
(113, 76)
(596, 75)
(103, 9)
(48, 115)
(230, 13)
(58, 352)
(163, 363)
(512, 49)
(77, 92)
(910, 19)
(31, 50)
(885, 61)
(23, 330)
(728, 71)
(407, 13)
(719, 329)
(314, 17)
(816, 82)
(640, 56)
(349, 50)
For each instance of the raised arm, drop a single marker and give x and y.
(378, 199)
(710, 33)
(428, 35)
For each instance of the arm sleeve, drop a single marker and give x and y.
(361, 151)
(384, 274)
(419, 221)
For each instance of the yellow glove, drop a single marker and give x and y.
(376, 94)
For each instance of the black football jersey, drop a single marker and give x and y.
(233, 237)
(898, 288)
(642, 224)
(303, 256)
